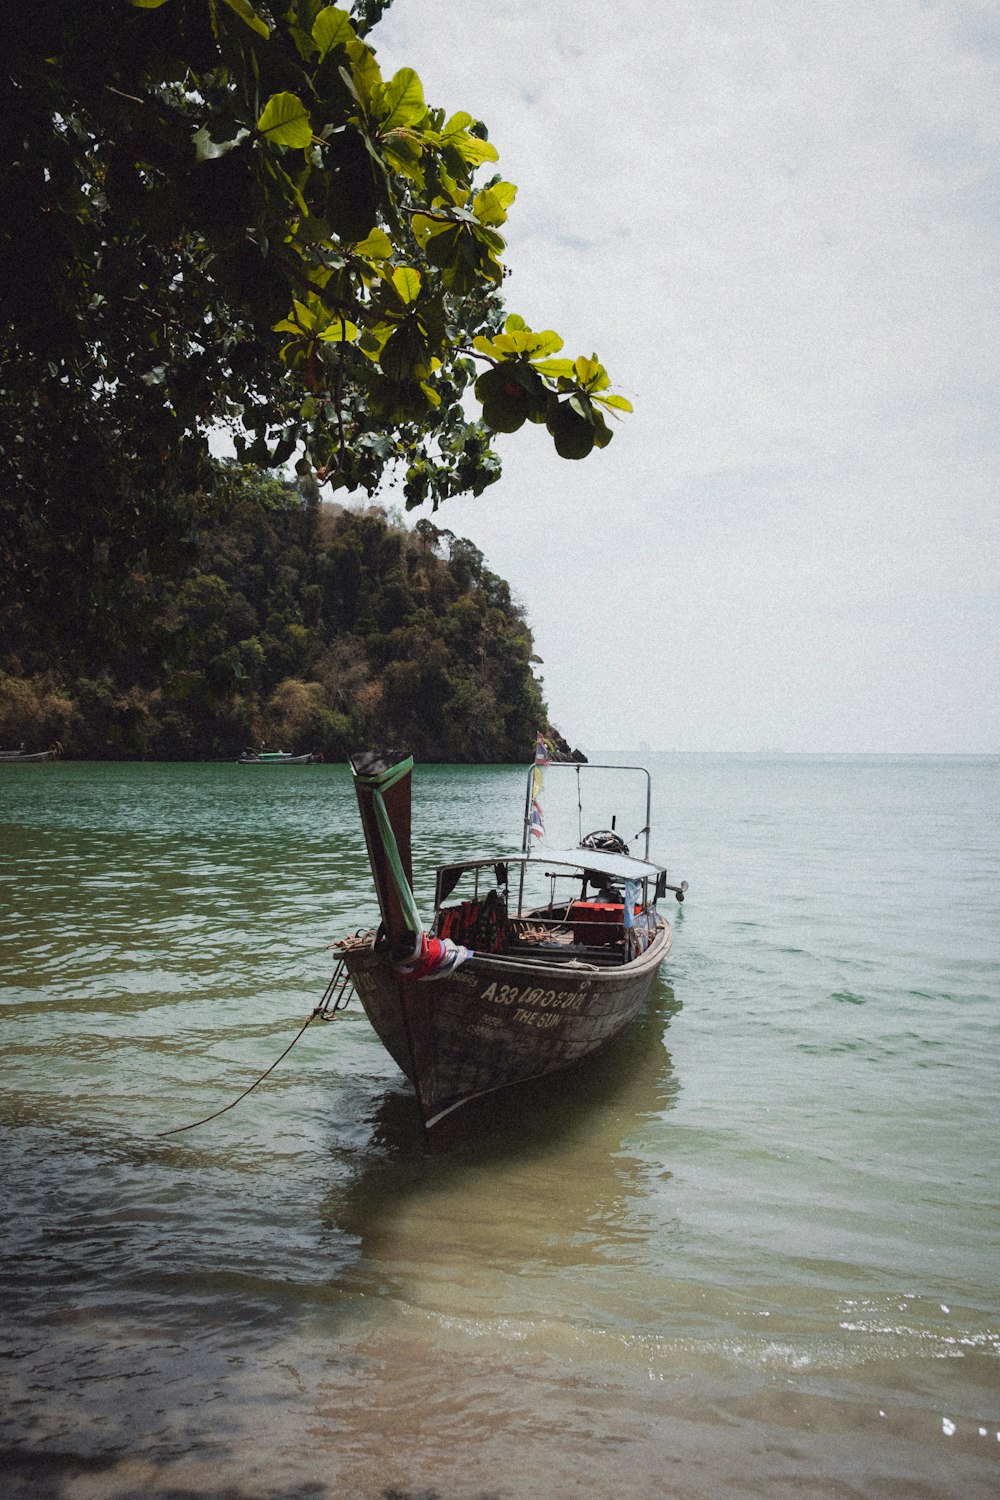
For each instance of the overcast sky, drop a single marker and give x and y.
(776, 224)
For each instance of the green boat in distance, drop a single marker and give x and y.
(273, 758)
(25, 757)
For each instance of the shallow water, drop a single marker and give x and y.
(750, 1251)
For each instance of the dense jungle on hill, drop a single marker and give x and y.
(293, 623)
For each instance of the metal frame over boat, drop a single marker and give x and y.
(504, 987)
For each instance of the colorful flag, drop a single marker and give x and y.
(537, 820)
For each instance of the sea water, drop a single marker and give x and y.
(751, 1250)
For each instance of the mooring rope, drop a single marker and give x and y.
(323, 1011)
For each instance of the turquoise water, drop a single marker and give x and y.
(751, 1251)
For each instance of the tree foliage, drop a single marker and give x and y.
(300, 624)
(219, 211)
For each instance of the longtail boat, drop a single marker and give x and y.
(547, 958)
(273, 758)
(29, 757)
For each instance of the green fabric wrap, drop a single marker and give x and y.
(376, 785)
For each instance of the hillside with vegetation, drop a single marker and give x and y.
(291, 623)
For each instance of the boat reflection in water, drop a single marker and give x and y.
(542, 1170)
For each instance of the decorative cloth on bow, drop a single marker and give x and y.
(434, 959)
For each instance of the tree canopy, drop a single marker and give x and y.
(220, 212)
(307, 626)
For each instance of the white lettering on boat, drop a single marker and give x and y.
(527, 995)
(537, 1018)
(486, 1024)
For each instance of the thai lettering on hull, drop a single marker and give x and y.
(543, 999)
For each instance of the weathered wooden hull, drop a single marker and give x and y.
(498, 1020)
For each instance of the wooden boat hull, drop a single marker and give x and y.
(285, 760)
(499, 1020)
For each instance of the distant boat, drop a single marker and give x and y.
(544, 985)
(24, 757)
(272, 758)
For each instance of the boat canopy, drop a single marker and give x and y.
(574, 861)
(602, 861)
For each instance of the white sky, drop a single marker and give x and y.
(776, 224)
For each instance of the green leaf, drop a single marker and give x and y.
(284, 448)
(591, 373)
(301, 320)
(456, 126)
(246, 13)
(617, 403)
(402, 151)
(445, 249)
(425, 228)
(147, 4)
(375, 246)
(289, 187)
(511, 393)
(489, 238)
(546, 342)
(340, 331)
(407, 283)
(404, 355)
(572, 433)
(602, 432)
(472, 149)
(519, 341)
(373, 341)
(303, 41)
(491, 205)
(475, 151)
(285, 121)
(555, 367)
(208, 150)
(332, 28)
(404, 101)
(365, 75)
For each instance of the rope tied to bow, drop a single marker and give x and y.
(335, 998)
